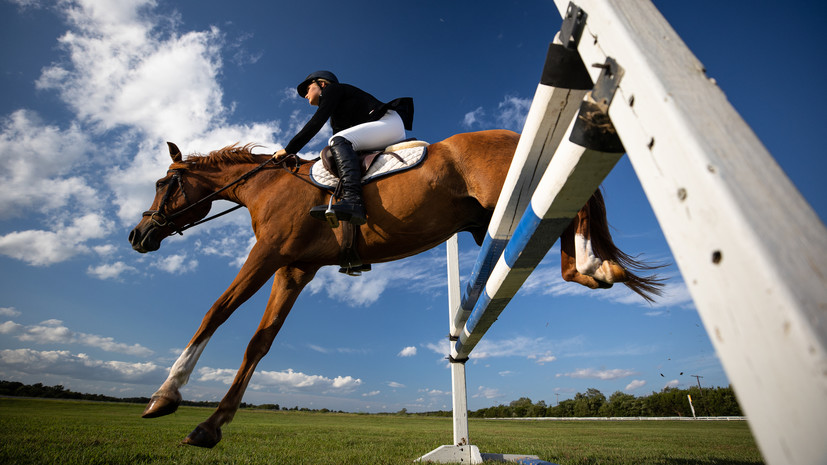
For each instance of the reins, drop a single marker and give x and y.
(160, 219)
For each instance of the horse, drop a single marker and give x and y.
(454, 189)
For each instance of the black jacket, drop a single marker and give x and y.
(347, 106)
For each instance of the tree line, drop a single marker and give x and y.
(17, 389)
(670, 402)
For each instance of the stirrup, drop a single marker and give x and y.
(356, 270)
(330, 215)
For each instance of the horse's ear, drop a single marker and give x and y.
(174, 153)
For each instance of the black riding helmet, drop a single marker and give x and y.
(313, 77)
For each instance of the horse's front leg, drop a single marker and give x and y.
(288, 283)
(253, 274)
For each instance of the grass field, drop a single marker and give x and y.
(40, 431)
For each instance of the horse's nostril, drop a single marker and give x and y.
(131, 236)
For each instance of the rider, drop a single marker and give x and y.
(359, 122)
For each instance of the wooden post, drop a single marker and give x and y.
(751, 250)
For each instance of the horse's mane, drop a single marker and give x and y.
(231, 154)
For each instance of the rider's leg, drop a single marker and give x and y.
(343, 145)
(350, 208)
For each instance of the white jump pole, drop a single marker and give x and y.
(563, 84)
(751, 250)
(570, 179)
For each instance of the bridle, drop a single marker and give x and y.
(162, 218)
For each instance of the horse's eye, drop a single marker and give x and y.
(161, 183)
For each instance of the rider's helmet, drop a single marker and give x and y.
(313, 77)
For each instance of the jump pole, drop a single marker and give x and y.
(569, 180)
(751, 250)
(563, 84)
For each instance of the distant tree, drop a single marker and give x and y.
(538, 409)
(520, 407)
(621, 404)
(562, 409)
(588, 404)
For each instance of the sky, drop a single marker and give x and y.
(92, 89)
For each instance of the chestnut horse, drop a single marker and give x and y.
(455, 189)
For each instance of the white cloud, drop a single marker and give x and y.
(435, 392)
(487, 393)
(235, 244)
(371, 393)
(408, 274)
(319, 349)
(473, 118)
(39, 162)
(77, 366)
(591, 373)
(513, 112)
(105, 250)
(543, 358)
(109, 270)
(635, 384)
(10, 327)
(28, 3)
(127, 71)
(284, 381)
(54, 332)
(9, 311)
(672, 384)
(395, 385)
(176, 264)
(122, 72)
(38, 247)
(409, 351)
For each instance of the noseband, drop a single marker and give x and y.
(161, 218)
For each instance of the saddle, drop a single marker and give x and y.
(368, 157)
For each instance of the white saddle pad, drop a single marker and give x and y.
(384, 165)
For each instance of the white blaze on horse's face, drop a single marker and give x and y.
(180, 372)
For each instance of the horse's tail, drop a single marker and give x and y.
(649, 286)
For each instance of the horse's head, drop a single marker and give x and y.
(177, 204)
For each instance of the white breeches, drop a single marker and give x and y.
(375, 135)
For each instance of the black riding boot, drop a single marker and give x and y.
(350, 207)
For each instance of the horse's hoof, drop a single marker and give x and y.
(201, 437)
(159, 406)
(603, 284)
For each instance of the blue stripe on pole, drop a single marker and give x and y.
(522, 236)
(489, 254)
(533, 462)
(482, 321)
(531, 241)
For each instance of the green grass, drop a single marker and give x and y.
(39, 431)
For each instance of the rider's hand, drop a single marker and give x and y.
(279, 154)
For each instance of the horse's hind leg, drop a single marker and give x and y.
(578, 262)
(288, 283)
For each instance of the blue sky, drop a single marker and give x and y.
(92, 89)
